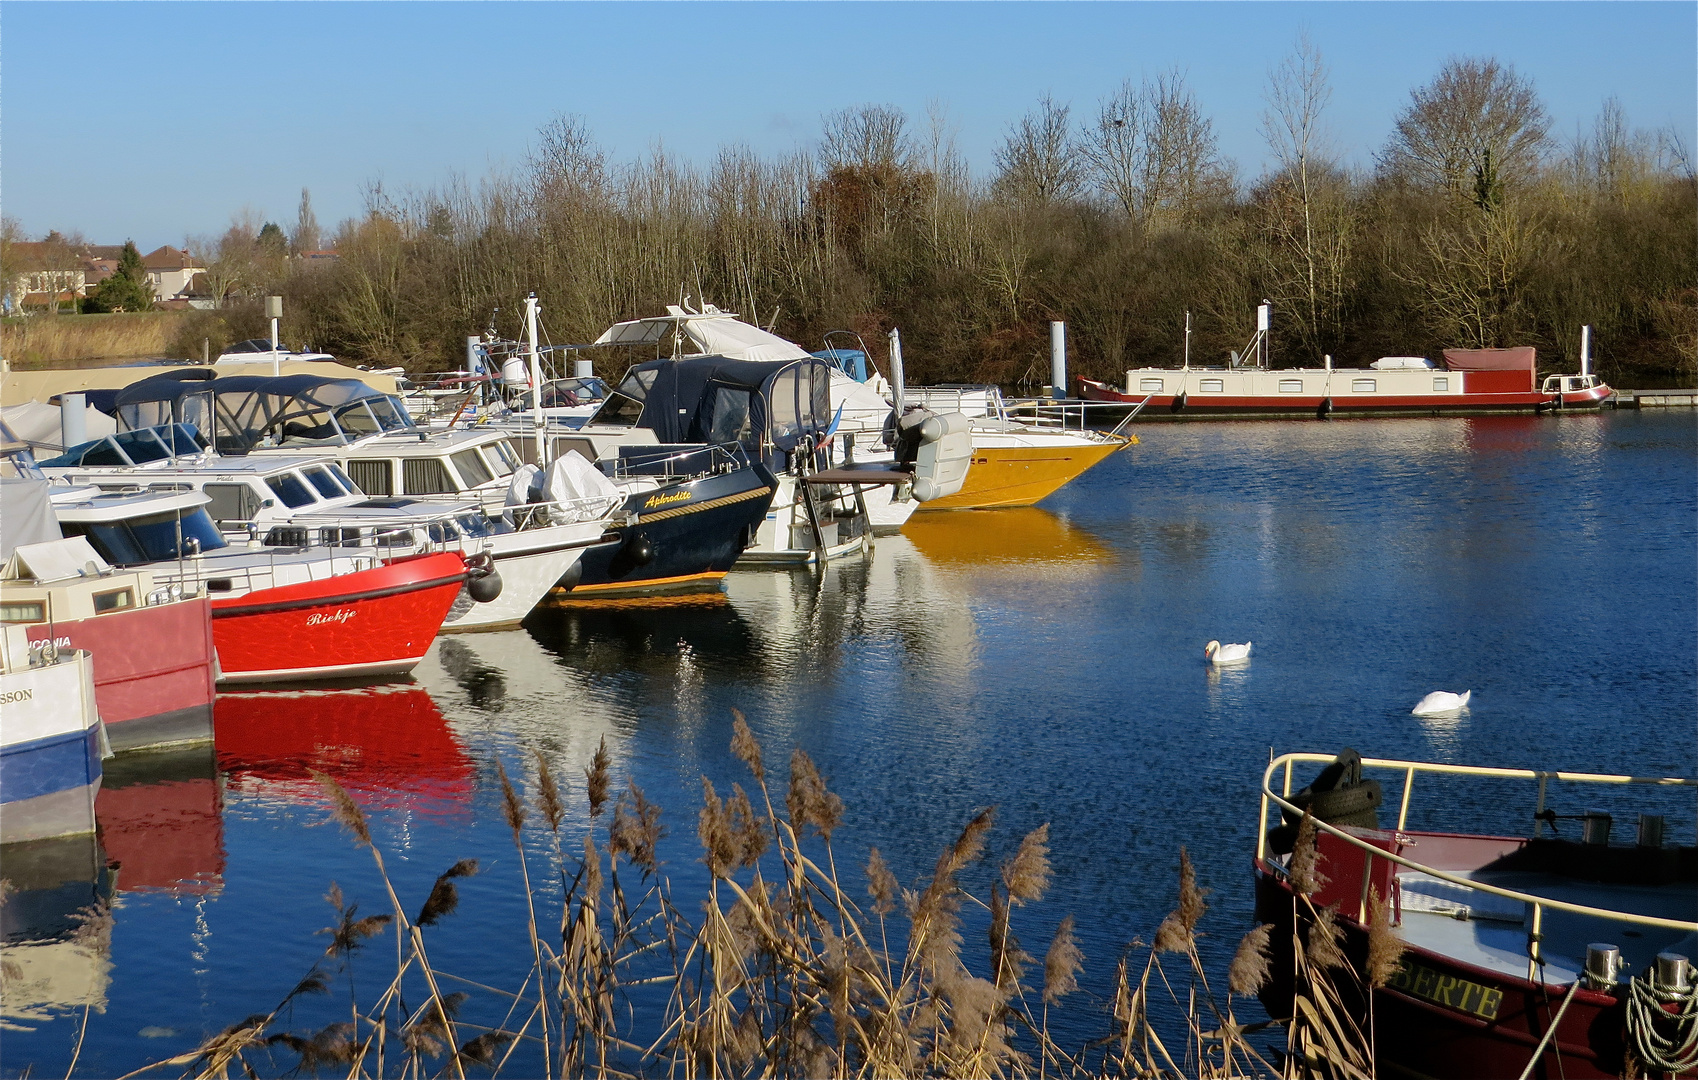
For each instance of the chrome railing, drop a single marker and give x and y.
(1539, 904)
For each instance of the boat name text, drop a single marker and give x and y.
(1447, 990)
(340, 615)
(663, 500)
(12, 696)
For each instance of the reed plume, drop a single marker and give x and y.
(511, 808)
(1027, 874)
(747, 828)
(746, 747)
(1326, 940)
(881, 884)
(636, 831)
(1250, 964)
(444, 897)
(1062, 963)
(808, 800)
(720, 848)
(596, 777)
(548, 794)
(1302, 869)
(343, 808)
(1385, 948)
(1177, 932)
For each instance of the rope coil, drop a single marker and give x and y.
(1664, 1041)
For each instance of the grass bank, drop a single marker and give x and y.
(45, 341)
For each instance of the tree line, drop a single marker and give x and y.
(1475, 226)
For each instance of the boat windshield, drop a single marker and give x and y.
(132, 447)
(624, 406)
(154, 538)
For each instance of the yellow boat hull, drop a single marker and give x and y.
(1021, 475)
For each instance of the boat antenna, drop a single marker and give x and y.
(1187, 341)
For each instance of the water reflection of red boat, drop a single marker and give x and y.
(162, 822)
(389, 745)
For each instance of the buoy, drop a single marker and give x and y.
(483, 582)
(640, 549)
(1178, 402)
(1324, 410)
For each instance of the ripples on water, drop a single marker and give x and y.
(1047, 661)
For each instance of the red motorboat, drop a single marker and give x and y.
(1524, 956)
(378, 621)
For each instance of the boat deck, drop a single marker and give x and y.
(1498, 943)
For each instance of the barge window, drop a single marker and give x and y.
(116, 600)
(425, 476)
(27, 611)
(288, 487)
(231, 502)
(1212, 386)
(1362, 386)
(473, 472)
(374, 476)
(1441, 384)
(1291, 386)
(1149, 386)
(324, 482)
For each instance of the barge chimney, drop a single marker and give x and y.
(73, 420)
(1058, 358)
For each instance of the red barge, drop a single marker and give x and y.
(1471, 381)
(1524, 956)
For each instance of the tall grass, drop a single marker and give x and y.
(789, 965)
(40, 341)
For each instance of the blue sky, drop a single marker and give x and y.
(155, 121)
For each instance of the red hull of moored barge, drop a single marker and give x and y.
(370, 622)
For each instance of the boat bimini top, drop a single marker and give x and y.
(246, 412)
(768, 409)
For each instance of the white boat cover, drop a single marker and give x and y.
(711, 331)
(26, 514)
(38, 423)
(583, 493)
(54, 560)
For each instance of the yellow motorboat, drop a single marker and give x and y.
(1015, 465)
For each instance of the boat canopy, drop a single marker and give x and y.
(246, 411)
(762, 406)
(1522, 358)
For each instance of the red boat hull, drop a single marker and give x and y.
(371, 622)
(153, 671)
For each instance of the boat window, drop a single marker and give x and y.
(309, 426)
(473, 472)
(1149, 386)
(502, 457)
(1441, 384)
(286, 536)
(232, 502)
(476, 525)
(425, 476)
(1291, 386)
(334, 537)
(342, 478)
(1211, 386)
(324, 482)
(28, 611)
(389, 413)
(1362, 386)
(288, 487)
(374, 476)
(115, 600)
(148, 539)
(730, 412)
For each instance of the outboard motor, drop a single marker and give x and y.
(937, 447)
(1339, 796)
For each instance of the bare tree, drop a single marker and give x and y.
(1038, 162)
(1153, 152)
(229, 261)
(1474, 107)
(1308, 217)
(307, 234)
(866, 137)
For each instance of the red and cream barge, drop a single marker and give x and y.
(1524, 956)
(1470, 381)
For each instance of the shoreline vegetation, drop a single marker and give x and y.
(789, 969)
(1476, 224)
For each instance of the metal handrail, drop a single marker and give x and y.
(1410, 768)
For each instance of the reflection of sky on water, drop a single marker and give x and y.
(1046, 662)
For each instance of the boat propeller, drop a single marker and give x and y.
(483, 581)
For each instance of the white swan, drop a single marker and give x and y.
(1442, 703)
(1216, 653)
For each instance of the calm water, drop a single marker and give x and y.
(1047, 661)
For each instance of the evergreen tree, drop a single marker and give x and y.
(127, 289)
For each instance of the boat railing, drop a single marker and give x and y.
(672, 462)
(426, 532)
(1069, 414)
(1538, 904)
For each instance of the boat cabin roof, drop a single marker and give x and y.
(247, 411)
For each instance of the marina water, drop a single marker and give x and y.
(1047, 661)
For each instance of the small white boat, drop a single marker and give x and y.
(52, 743)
